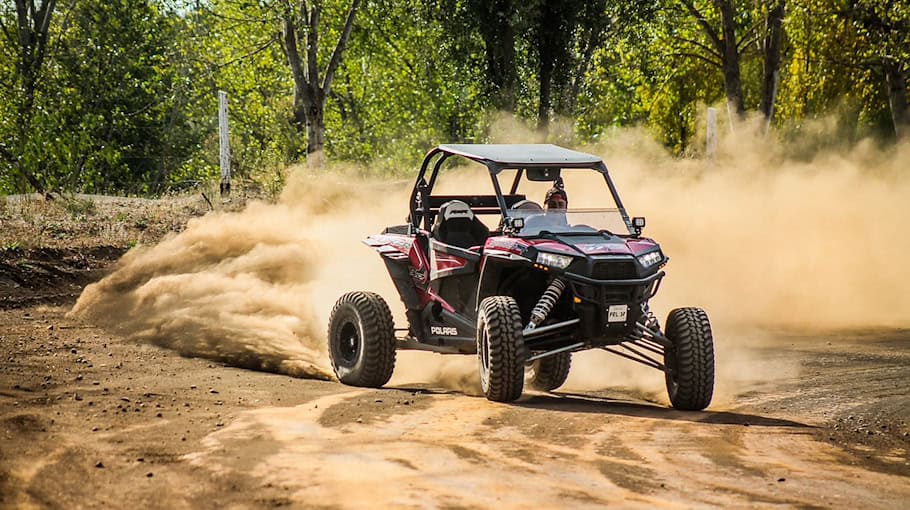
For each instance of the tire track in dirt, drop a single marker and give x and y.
(415, 445)
(445, 449)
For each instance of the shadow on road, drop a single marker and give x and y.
(580, 403)
(587, 403)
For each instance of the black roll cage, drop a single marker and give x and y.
(423, 207)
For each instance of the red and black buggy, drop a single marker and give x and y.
(524, 289)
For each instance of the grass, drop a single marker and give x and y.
(79, 206)
(31, 222)
(78, 221)
(10, 246)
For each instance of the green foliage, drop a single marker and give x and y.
(115, 119)
(126, 97)
(661, 73)
(836, 63)
(397, 92)
(104, 118)
(234, 46)
(646, 72)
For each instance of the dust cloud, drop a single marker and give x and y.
(252, 288)
(766, 241)
(768, 233)
(766, 236)
(762, 239)
(763, 236)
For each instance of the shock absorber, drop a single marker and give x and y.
(547, 301)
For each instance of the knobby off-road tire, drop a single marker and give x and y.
(549, 373)
(690, 362)
(500, 349)
(362, 340)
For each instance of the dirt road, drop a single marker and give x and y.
(92, 420)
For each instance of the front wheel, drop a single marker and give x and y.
(500, 349)
(362, 340)
(690, 361)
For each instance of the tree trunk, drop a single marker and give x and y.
(723, 46)
(495, 22)
(315, 131)
(543, 108)
(32, 29)
(593, 36)
(733, 86)
(771, 45)
(546, 27)
(309, 92)
(555, 28)
(896, 80)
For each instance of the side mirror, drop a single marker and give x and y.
(638, 224)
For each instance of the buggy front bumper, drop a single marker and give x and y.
(593, 299)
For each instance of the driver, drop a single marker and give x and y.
(556, 202)
(556, 199)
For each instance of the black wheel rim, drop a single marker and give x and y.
(348, 343)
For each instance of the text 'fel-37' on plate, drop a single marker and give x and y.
(617, 313)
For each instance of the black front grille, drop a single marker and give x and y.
(614, 270)
(607, 294)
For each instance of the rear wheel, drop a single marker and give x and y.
(690, 362)
(548, 373)
(362, 340)
(500, 349)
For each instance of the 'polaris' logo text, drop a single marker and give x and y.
(443, 330)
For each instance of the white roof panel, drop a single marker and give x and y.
(521, 154)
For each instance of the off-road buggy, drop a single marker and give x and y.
(524, 294)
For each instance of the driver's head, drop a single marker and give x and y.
(556, 198)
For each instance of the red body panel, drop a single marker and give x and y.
(445, 262)
(401, 246)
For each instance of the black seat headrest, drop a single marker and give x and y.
(458, 226)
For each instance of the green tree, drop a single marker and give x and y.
(884, 28)
(115, 114)
(771, 49)
(27, 44)
(646, 71)
(719, 23)
(398, 90)
(497, 23)
(234, 46)
(847, 57)
(301, 22)
(249, 30)
(100, 113)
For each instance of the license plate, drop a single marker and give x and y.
(617, 313)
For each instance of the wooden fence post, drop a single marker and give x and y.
(224, 142)
(711, 147)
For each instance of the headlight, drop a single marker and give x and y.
(649, 259)
(554, 260)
